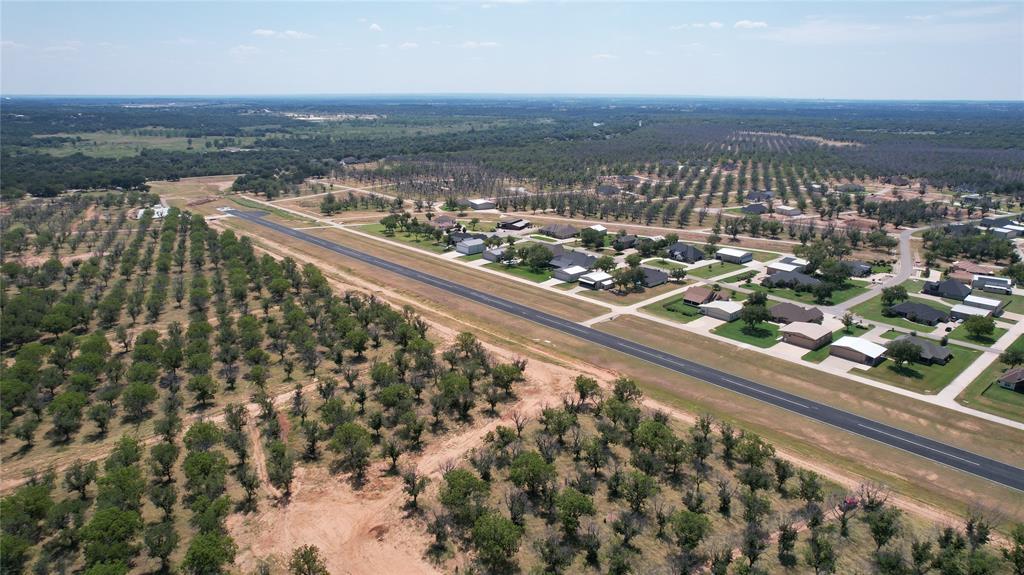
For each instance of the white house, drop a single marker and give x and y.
(481, 204)
(858, 349)
(599, 229)
(787, 210)
(993, 305)
(734, 255)
(470, 246)
(596, 280)
(569, 274)
(723, 310)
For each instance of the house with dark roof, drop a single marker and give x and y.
(456, 237)
(516, 224)
(761, 196)
(795, 280)
(948, 288)
(685, 253)
(931, 352)
(754, 209)
(624, 242)
(699, 295)
(993, 284)
(560, 231)
(789, 312)
(608, 189)
(857, 269)
(653, 277)
(918, 312)
(1013, 380)
(570, 258)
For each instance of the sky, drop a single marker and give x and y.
(817, 50)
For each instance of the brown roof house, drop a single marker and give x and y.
(806, 335)
(789, 313)
(1013, 380)
(699, 295)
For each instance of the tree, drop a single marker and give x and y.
(109, 536)
(571, 505)
(205, 389)
(893, 295)
(979, 327)
(529, 470)
(66, 411)
(689, 529)
(753, 314)
(849, 320)
(1014, 553)
(353, 443)
(636, 488)
(161, 539)
(902, 352)
(79, 475)
(786, 544)
(820, 554)
(884, 524)
(1012, 357)
(605, 263)
(208, 553)
(306, 560)
(496, 540)
(463, 495)
(101, 414)
(413, 485)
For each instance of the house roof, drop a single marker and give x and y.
(950, 288)
(755, 208)
(972, 267)
(599, 228)
(794, 261)
(654, 276)
(860, 345)
(854, 266)
(795, 278)
(963, 309)
(929, 349)
(686, 249)
(790, 312)
(978, 301)
(806, 329)
(784, 267)
(919, 310)
(596, 276)
(993, 280)
(557, 230)
(732, 252)
(1015, 375)
(573, 270)
(443, 219)
(573, 258)
(729, 307)
(472, 242)
(698, 293)
(477, 201)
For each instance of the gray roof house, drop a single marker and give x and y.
(918, 312)
(560, 231)
(857, 269)
(569, 259)
(685, 253)
(931, 352)
(1013, 379)
(755, 209)
(624, 242)
(762, 196)
(470, 246)
(948, 288)
(789, 312)
(494, 254)
(791, 280)
(653, 277)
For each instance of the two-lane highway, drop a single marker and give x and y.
(990, 469)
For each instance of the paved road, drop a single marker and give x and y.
(990, 469)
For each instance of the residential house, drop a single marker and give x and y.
(560, 231)
(572, 258)
(993, 284)
(998, 221)
(569, 274)
(608, 189)
(947, 288)
(723, 310)
(443, 222)
(806, 335)
(754, 209)
(494, 254)
(516, 225)
(596, 280)
(787, 264)
(456, 237)
(1013, 380)
(795, 280)
(857, 269)
(788, 210)
(994, 305)
(734, 255)
(963, 277)
(470, 246)
(599, 229)
(858, 349)
(931, 352)
(685, 253)
(789, 313)
(918, 312)
(963, 311)
(699, 295)
(756, 197)
(973, 268)
(653, 277)
(481, 204)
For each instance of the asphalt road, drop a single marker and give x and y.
(984, 467)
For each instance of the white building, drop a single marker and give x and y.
(993, 305)
(858, 349)
(734, 255)
(723, 310)
(787, 210)
(961, 311)
(470, 246)
(596, 280)
(599, 229)
(481, 204)
(569, 274)
(158, 212)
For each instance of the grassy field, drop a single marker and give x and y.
(615, 297)
(674, 309)
(471, 257)
(985, 394)
(714, 270)
(520, 271)
(279, 213)
(872, 310)
(123, 145)
(664, 264)
(423, 243)
(852, 288)
(920, 377)
(961, 333)
(543, 238)
(819, 355)
(764, 334)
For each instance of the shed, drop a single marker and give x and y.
(964, 311)
(470, 246)
(788, 210)
(723, 310)
(481, 204)
(517, 224)
(994, 305)
(569, 274)
(734, 255)
(806, 335)
(858, 349)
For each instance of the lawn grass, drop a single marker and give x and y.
(615, 297)
(543, 238)
(872, 310)
(674, 309)
(923, 378)
(663, 264)
(985, 394)
(471, 257)
(961, 333)
(480, 226)
(1015, 304)
(819, 355)
(851, 289)
(762, 335)
(881, 269)
(406, 238)
(520, 271)
(714, 270)
(279, 213)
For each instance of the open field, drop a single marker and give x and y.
(985, 394)
(613, 296)
(764, 334)
(714, 270)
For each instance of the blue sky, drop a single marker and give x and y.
(855, 50)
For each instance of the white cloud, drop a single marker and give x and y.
(243, 50)
(474, 44)
(383, 46)
(284, 34)
(977, 11)
(66, 46)
(652, 52)
(11, 45)
(750, 24)
(182, 41)
(714, 25)
(604, 56)
(408, 46)
(376, 27)
(825, 32)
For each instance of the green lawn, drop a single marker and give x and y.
(961, 333)
(762, 335)
(872, 310)
(923, 378)
(480, 226)
(819, 355)
(881, 269)
(521, 271)
(851, 289)
(674, 309)
(663, 264)
(543, 238)
(1015, 305)
(471, 257)
(714, 270)
(423, 243)
(985, 394)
